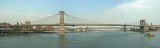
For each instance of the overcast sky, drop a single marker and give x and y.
(104, 11)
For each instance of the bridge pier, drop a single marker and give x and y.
(142, 27)
(125, 27)
(158, 28)
(61, 25)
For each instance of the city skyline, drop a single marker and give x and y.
(112, 11)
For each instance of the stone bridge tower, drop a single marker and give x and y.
(142, 25)
(61, 24)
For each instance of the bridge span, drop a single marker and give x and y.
(62, 24)
(71, 25)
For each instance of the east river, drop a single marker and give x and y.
(108, 39)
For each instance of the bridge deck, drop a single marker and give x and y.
(70, 25)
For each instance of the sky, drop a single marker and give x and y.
(104, 11)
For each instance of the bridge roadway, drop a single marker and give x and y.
(70, 25)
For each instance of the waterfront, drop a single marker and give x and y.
(109, 39)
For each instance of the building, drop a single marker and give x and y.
(27, 26)
(39, 28)
(49, 28)
(5, 24)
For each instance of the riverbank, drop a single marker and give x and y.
(8, 33)
(3, 34)
(143, 31)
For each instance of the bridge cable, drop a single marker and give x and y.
(45, 18)
(76, 17)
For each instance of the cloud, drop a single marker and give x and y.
(22, 18)
(6, 13)
(34, 16)
(130, 11)
(6, 16)
(13, 17)
(136, 5)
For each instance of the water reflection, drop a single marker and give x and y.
(61, 41)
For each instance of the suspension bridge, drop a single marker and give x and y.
(62, 22)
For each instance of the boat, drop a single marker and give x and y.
(149, 35)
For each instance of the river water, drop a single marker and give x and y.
(108, 39)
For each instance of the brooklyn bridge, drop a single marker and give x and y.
(61, 23)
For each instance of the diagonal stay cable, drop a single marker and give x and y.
(45, 18)
(80, 18)
(135, 23)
